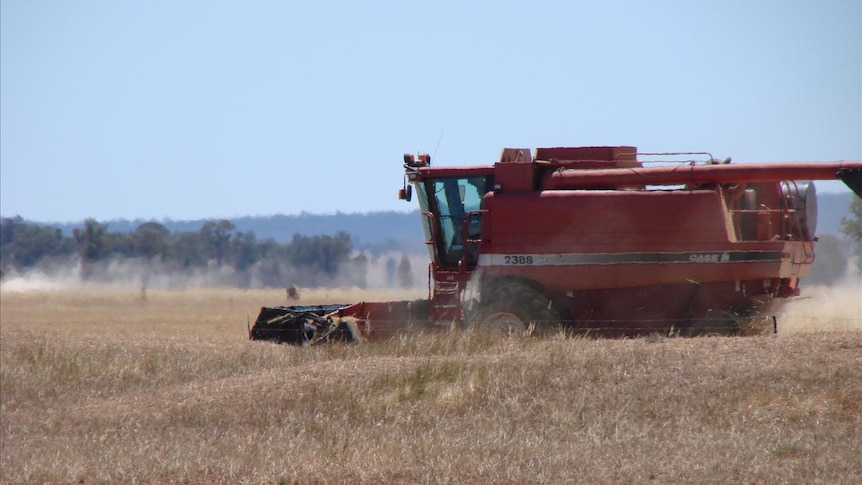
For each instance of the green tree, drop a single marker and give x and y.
(216, 238)
(150, 239)
(852, 226)
(405, 272)
(391, 266)
(23, 245)
(244, 250)
(187, 250)
(358, 271)
(334, 250)
(93, 241)
(322, 254)
(94, 244)
(271, 269)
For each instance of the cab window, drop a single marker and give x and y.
(454, 199)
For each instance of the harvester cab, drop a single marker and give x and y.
(603, 240)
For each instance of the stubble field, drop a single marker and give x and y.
(110, 385)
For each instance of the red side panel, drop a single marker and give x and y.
(583, 240)
(605, 221)
(516, 176)
(378, 321)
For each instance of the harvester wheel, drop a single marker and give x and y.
(500, 322)
(515, 309)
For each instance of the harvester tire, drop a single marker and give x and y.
(515, 309)
(499, 321)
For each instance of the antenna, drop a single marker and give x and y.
(434, 155)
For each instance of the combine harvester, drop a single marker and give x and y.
(597, 240)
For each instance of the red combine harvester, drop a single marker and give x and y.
(598, 240)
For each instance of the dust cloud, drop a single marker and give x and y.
(60, 274)
(836, 308)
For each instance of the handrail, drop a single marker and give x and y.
(432, 224)
(794, 226)
(433, 235)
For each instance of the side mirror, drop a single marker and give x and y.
(406, 193)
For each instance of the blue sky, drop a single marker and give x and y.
(187, 110)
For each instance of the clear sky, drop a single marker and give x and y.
(209, 109)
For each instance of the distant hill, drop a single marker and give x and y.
(381, 230)
(372, 228)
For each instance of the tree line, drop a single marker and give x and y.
(217, 250)
(219, 254)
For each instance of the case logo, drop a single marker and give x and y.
(709, 258)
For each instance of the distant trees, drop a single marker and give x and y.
(92, 240)
(851, 227)
(23, 245)
(215, 239)
(836, 256)
(399, 274)
(305, 260)
(94, 243)
(831, 261)
(150, 240)
(405, 272)
(323, 253)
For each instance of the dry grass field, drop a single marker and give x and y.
(101, 385)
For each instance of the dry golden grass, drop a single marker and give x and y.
(98, 386)
(213, 313)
